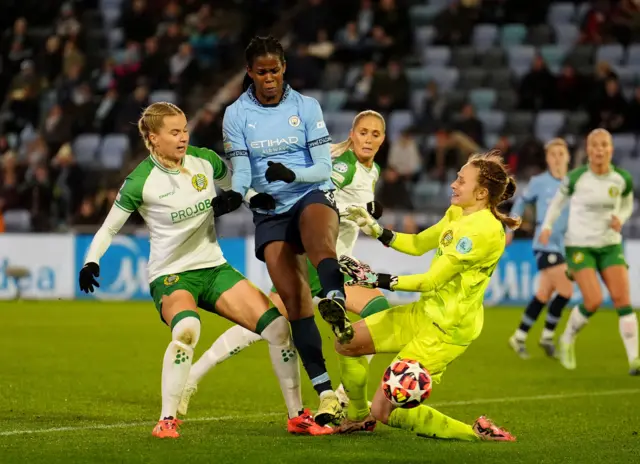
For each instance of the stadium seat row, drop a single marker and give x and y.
(108, 152)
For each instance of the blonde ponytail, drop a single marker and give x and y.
(338, 149)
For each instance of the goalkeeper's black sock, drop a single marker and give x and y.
(307, 339)
(331, 278)
(529, 318)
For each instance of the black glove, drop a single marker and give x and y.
(262, 201)
(374, 208)
(87, 276)
(226, 202)
(278, 171)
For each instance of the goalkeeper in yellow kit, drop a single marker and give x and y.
(438, 328)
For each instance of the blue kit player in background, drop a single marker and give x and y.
(279, 146)
(549, 258)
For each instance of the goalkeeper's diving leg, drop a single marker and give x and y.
(424, 420)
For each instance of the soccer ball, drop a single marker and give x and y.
(406, 383)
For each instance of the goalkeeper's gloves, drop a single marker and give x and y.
(87, 276)
(362, 275)
(227, 201)
(369, 225)
(278, 171)
(374, 208)
(262, 201)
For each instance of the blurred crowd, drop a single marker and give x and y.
(73, 75)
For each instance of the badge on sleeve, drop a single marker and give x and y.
(464, 245)
(340, 167)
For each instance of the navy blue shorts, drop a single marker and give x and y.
(285, 227)
(547, 259)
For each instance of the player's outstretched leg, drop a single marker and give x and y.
(244, 304)
(319, 234)
(430, 423)
(295, 295)
(185, 332)
(234, 340)
(364, 302)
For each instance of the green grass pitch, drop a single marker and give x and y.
(80, 382)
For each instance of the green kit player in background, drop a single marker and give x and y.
(355, 175)
(600, 198)
(173, 190)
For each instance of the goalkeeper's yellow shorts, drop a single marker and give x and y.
(410, 332)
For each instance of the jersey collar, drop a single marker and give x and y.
(162, 168)
(611, 169)
(251, 92)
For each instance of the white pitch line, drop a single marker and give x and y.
(559, 396)
(124, 425)
(511, 399)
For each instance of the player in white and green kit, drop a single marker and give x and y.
(355, 175)
(173, 190)
(600, 198)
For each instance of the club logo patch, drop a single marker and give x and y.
(171, 279)
(341, 167)
(577, 257)
(614, 191)
(446, 238)
(199, 182)
(294, 121)
(464, 245)
(552, 258)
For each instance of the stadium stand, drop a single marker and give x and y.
(451, 76)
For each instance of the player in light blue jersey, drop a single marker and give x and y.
(279, 146)
(549, 257)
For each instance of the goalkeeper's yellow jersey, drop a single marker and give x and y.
(467, 251)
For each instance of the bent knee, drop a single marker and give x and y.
(187, 330)
(277, 332)
(592, 304)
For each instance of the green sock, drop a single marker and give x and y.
(429, 423)
(355, 375)
(376, 305)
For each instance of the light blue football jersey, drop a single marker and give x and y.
(292, 132)
(540, 192)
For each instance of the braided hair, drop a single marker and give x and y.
(260, 46)
(501, 186)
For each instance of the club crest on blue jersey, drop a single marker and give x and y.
(294, 121)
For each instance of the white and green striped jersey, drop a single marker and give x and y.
(355, 185)
(593, 200)
(176, 207)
